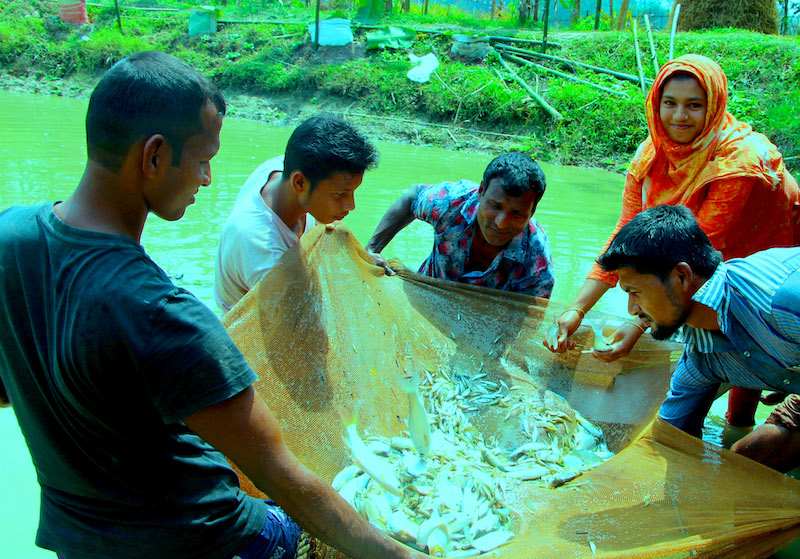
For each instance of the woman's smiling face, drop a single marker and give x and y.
(683, 108)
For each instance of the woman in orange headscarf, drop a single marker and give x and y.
(698, 155)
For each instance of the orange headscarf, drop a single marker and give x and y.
(728, 165)
(726, 147)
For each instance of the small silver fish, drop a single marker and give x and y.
(551, 336)
(418, 425)
(371, 464)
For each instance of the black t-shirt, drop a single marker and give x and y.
(102, 357)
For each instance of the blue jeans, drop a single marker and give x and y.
(278, 539)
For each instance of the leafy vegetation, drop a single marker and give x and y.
(277, 59)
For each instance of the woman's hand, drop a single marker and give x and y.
(622, 342)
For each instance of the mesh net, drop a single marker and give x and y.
(327, 330)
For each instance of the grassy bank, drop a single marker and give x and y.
(276, 64)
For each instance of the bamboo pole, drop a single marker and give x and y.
(619, 75)
(251, 22)
(785, 18)
(104, 5)
(494, 38)
(672, 33)
(119, 17)
(547, 107)
(597, 10)
(316, 27)
(653, 56)
(638, 56)
(545, 21)
(541, 68)
(623, 12)
(494, 9)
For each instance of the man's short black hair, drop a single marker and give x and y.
(145, 94)
(326, 144)
(519, 172)
(657, 239)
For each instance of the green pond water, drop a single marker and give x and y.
(42, 155)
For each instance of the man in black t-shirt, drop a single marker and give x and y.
(128, 390)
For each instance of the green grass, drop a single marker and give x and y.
(597, 129)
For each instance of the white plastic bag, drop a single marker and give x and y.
(425, 66)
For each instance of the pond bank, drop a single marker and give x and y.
(272, 73)
(289, 110)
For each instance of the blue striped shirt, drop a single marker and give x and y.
(757, 300)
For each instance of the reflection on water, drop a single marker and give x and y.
(42, 155)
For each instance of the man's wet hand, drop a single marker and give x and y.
(381, 261)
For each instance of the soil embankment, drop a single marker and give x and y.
(271, 72)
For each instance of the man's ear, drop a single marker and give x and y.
(480, 189)
(156, 155)
(683, 274)
(299, 181)
(533, 209)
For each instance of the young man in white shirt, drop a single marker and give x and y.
(314, 182)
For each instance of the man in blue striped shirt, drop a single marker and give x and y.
(739, 321)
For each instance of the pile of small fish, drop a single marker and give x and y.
(443, 489)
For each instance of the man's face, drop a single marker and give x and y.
(170, 198)
(661, 304)
(502, 217)
(332, 198)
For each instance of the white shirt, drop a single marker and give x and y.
(252, 239)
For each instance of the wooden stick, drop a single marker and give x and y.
(119, 17)
(545, 105)
(494, 9)
(287, 35)
(418, 123)
(653, 56)
(619, 75)
(539, 67)
(672, 33)
(638, 57)
(493, 38)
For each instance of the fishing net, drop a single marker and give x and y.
(326, 331)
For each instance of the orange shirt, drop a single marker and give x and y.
(740, 216)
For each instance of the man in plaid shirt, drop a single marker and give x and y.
(484, 234)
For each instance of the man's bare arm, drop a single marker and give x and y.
(397, 218)
(245, 430)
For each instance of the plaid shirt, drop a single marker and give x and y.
(524, 266)
(757, 300)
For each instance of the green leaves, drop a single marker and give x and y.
(369, 11)
(391, 37)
